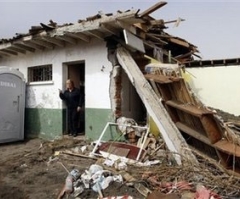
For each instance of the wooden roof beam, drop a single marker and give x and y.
(110, 29)
(4, 54)
(156, 39)
(80, 36)
(25, 47)
(153, 8)
(10, 52)
(33, 45)
(97, 34)
(54, 41)
(43, 43)
(67, 39)
(17, 49)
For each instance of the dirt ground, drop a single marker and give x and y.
(25, 173)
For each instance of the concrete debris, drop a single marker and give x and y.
(118, 164)
(95, 178)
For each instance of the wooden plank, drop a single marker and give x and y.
(142, 26)
(185, 92)
(192, 132)
(162, 79)
(155, 88)
(227, 147)
(171, 135)
(213, 131)
(165, 92)
(157, 39)
(180, 42)
(77, 154)
(152, 8)
(188, 108)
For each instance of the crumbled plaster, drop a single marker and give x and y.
(115, 90)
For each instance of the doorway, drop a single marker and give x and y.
(76, 72)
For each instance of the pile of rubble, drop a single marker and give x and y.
(141, 161)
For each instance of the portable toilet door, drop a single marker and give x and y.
(12, 104)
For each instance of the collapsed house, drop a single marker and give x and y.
(130, 67)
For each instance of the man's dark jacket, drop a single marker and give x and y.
(72, 99)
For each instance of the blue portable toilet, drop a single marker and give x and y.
(12, 104)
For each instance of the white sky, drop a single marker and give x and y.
(213, 26)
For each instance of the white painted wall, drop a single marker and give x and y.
(46, 95)
(217, 87)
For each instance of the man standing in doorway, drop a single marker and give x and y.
(72, 98)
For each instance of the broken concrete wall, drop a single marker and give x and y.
(125, 101)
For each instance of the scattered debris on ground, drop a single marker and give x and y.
(40, 169)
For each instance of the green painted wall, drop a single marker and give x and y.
(96, 119)
(51, 123)
(44, 123)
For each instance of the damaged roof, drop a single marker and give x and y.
(101, 26)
